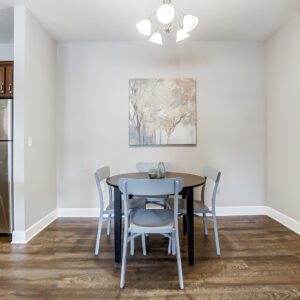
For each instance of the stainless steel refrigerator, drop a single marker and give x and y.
(6, 161)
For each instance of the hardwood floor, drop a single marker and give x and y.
(260, 259)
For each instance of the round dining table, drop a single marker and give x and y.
(190, 182)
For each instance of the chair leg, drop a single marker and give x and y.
(108, 225)
(123, 268)
(216, 234)
(99, 234)
(169, 246)
(144, 244)
(205, 224)
(179, 260)
(132, 245)
(173, 244)
(184, 224)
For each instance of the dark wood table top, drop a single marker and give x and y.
(190, 180)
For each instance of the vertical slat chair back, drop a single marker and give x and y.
(100, 175)
(214, 175)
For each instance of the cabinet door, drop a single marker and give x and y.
(2, 80)
(9, 79)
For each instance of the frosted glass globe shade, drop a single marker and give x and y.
(156, 38)
(181, 35)
(165, 14)
(189, 22)
(144, 27)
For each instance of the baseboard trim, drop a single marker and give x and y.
(78, 212)
(23, 237)
(285, 220)
(240, 210)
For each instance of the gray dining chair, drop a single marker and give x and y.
(151, 221)
(160, 200)
(106, 214)
(201, 210)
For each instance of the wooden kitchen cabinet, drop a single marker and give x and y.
(6, 78)
(2, 80)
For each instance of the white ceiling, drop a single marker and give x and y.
(114, 20)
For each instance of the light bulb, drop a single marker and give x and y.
(156, 38)
(181, 35)
(189, 23)
(165, 14)
(144, 27)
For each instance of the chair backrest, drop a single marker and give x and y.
(214, 175)
(146, 166)
(100, 175)
(150, 187)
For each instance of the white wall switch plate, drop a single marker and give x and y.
(29, 141)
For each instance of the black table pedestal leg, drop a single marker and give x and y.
(184, 224)
(117, 223)
(190, 224)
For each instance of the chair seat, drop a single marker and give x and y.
(152, 197)
(155, 199)
(151, 219)
(136, 203)
(199, 206)
(132, 204)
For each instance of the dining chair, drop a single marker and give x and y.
(201, 210)
(106, 214)
(160, 200)
(151, 221)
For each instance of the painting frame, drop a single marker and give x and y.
(162, 112)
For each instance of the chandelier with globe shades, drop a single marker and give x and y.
(168, 20)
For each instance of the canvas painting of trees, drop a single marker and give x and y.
(162, 112)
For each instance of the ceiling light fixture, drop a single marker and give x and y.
(144, 27)
(167, 18)
(156, 38)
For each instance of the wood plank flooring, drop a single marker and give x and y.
(260, 259)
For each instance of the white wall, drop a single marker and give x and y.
(35, 171)
(283, 119)
(6, 51)
(92, 115)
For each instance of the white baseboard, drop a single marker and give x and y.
(22, 237)
(283, 219)
(77, 212)
(221, 211)
(240, 210)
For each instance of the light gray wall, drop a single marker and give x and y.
(6, 51)
(34, 168)
(19, 117)
(282, 57)
(92, 115)
(40, 163)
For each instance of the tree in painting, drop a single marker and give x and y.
(162, 111)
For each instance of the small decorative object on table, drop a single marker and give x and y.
(158, 173)
(152, 173)
(161, 170)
